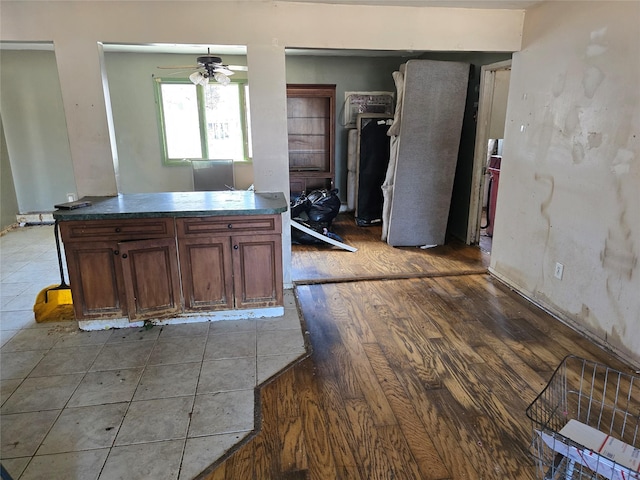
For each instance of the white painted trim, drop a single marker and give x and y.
(34, 217)
(91, 325)
(487, 82)
(269, 312)
(566, 320)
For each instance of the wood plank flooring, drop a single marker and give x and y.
(377, 260)
(413, 377)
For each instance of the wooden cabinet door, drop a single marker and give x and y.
(151, 277)
(94, 273)
(257, 270)
(206, 269)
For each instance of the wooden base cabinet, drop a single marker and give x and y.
(122, 268)
(154, 268)
(224, 267)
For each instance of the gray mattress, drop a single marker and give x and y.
(427, 151)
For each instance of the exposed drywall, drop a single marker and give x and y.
(35, 130)
(570, 179)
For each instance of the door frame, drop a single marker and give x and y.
(485, 100)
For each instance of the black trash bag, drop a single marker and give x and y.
(315, 211)
(325, 206)
(300, 206)
(316, 195)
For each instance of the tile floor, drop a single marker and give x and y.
(162, 403)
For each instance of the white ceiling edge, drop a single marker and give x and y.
(481, 4)
(219, 50)
(191, 49)
(180, 48)
(26, 45)
(347, 52)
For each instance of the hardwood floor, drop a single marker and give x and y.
(377, 260)
(414, 377)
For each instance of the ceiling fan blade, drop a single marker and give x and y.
(181, 66)
(185, 72)
(238, 68)
(223, 69)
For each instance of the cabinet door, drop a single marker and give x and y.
(95, 279)
(257, 270)
(207, 278)
(151, 277)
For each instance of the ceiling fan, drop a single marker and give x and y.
(209, 66)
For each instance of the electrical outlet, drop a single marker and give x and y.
(558, 271)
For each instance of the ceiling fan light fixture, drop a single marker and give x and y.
(210, 67)
(197, 78)
(221, 78)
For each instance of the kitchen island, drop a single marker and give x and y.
(174, 257)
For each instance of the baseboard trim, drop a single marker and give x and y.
(35, 218)
(569, 322)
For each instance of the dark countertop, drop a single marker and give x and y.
(176, 204)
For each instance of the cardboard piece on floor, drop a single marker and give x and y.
(324, 238)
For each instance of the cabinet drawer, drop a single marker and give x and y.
(124, 229)
(257, 224)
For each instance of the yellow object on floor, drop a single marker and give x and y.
(54, 304)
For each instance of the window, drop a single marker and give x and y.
(208, 122)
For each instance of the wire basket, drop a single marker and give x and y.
(586, 423)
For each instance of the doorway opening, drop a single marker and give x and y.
(492, 107)
(490, 193)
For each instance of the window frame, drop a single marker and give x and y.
(202, 120)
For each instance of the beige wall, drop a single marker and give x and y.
(570, 180)
(36, 133)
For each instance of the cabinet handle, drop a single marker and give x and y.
(124, 255)
(116, 252)
(118, 230)
(230, 226)
(235, 247)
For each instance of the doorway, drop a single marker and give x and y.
(492, 106)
